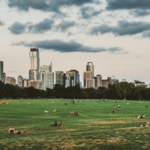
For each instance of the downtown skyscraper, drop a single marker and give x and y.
(34, 64)
(60, 78)
(46, 68)
(90, 67)
(47, 76)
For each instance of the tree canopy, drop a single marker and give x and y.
(124, 90)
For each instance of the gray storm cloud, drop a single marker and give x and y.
(128, 4)
(46, 5)
(67, 47)
(139, 13)
(123, 28)
(89, 12)
(64, 25)
(17, 28)
(41, 27)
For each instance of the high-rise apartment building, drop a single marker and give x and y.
(11, 80)
(105, 83)
(34, 64)
(60, 77)
(86, 75)
(110, 80)
(46, 68)
(48, 80)
(35, 84)
(72, 78)
(22, 82)
(90, 83)
(1, 71)
(4, 77)
(25, 82)
(99, 81)
(90, 67)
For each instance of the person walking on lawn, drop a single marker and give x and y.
(113, 110)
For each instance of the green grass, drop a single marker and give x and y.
(95, 127)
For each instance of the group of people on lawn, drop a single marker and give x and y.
(147, 124)
(12, 131)
(141, 116)
(55, 124)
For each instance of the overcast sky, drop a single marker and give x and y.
(113, 34)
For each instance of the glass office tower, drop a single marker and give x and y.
(90, 67)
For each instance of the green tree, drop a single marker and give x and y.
(140, 88)
(124, 89)
(2, 90)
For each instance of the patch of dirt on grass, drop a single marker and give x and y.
(114, 140)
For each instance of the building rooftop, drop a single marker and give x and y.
(34, 49)
(73, 70)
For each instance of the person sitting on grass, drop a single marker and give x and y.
(139, 116)
(76, 114)
(55, 124)
(60, 124)
(11, 130)
(54, 110)
(143, 116)
(147, 124)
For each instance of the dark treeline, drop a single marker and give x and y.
(132, 91)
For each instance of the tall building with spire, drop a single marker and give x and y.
(34, 64)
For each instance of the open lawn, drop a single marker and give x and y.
(96, 127)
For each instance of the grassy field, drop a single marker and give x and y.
(96, 127)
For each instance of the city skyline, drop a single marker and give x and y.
(48, 68)
(42, 77)
(116, 40)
